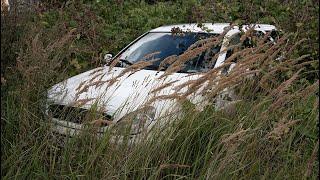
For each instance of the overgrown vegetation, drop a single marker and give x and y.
(272, 133)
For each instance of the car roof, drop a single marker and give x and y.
(215, 28)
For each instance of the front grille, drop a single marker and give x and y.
(75, 114)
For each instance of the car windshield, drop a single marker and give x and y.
(158, 46)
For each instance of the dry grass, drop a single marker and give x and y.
(271, 133)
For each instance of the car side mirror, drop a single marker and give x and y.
(107, 58)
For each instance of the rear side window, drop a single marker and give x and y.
(251, 41)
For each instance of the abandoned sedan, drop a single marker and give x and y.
(122, 88)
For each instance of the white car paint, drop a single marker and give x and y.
(216, 28)
(130, 92)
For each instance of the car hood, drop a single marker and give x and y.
(117, 95)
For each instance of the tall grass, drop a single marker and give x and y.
(271, 133)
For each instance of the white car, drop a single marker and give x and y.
(117, 95)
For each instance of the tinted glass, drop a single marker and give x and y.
(162, 45)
